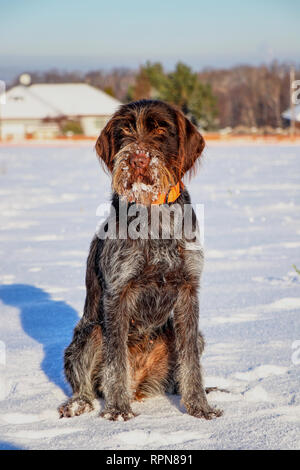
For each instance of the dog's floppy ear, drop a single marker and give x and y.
(105, 145)
(191, 143)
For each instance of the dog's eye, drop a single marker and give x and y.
(159, 130)
(126, 130)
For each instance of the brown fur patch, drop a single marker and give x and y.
(149, 364)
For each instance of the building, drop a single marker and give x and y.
(41, 110)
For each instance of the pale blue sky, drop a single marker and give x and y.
(72, 34)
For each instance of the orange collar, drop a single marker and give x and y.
(171, 196)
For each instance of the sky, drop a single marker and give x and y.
(93, 34)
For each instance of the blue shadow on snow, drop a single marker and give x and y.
(47, 321)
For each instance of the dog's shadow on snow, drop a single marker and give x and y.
(47, 321)
(175, 402)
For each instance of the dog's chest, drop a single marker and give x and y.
(152, 269)
(162, 261)
(158, 283)
(146, 261)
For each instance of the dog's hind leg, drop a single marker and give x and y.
(82, 369)
(83, 356)
(173, 385)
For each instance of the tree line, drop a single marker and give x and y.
(248, 96)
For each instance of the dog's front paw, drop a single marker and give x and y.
(206, 412)
(117, 415)
(74, 407)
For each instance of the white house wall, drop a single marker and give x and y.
(21, 128)
(92, 125)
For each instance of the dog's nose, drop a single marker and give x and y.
(139, 160)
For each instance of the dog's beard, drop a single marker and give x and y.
(144, 189)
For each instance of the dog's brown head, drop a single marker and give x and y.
(148, 146)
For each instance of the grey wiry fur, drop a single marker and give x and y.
(139, 332)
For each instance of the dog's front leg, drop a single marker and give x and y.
(186, 314)
(116, 377)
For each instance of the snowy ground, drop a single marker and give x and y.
(250, 300)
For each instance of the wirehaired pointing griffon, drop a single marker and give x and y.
(138, 335)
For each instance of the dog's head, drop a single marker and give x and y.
(148, 146)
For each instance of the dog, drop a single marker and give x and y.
(138, 335)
